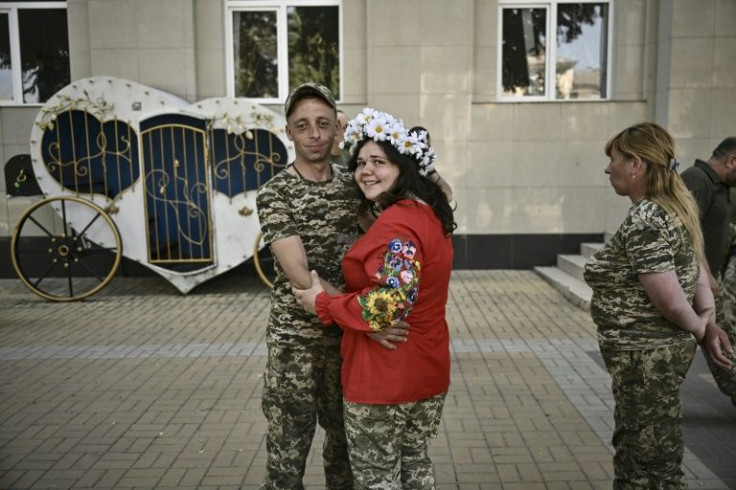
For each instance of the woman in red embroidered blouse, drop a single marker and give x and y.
(399, 270)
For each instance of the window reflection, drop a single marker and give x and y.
(314, 49)
(6, 72)
(524, 46)
(581, 51)
(44, 53)
(572, 65)
(255, 54)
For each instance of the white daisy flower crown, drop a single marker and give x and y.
(381, 126)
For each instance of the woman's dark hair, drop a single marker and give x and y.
(408, 184)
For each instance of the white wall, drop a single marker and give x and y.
(516, 168)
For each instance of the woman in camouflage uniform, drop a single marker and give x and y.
(651, 301)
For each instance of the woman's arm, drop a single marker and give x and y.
(388, 338)
(716, 341)
(669, 299)
(393, 267)
(704, 300)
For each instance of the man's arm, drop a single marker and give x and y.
(292, 257)
(446, 189)
(290, 253)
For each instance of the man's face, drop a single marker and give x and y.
(730, 177)
(312, 126)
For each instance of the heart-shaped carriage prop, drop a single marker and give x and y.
(127, 170)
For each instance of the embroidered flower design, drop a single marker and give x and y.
(395, 263)
(395, 246)
(408, 250)
(397, 290)
(406, 276)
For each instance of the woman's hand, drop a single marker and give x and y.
(307, 297)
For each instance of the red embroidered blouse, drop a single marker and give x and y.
(400, 269)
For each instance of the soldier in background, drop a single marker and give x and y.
(340, 156)
(710, 183)
(728, 287)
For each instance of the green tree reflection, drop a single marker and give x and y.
(314, 48)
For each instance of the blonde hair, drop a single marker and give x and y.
(663, 185)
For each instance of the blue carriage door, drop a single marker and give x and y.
(177, 192)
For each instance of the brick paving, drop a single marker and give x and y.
(142, 387)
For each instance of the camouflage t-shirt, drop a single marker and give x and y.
(323, 215)
(649, 240)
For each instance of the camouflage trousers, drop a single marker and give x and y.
(725, 378)
(300, 388)
(648, 437)
(729, 293)
(388, 444)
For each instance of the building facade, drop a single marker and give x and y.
(519, 97)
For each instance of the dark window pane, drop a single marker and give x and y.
(523, 54)
(255, 54)
(6, 76)
(44, 53)
(314, 46)
(582, 50)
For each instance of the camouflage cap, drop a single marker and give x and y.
(309, 89)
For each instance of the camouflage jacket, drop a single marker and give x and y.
(649, 240)
(323, 215)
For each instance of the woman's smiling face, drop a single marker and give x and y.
(374, 173)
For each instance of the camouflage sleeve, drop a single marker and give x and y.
(274, 214)
(648, 239)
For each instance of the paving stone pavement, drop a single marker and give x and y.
(142, 387)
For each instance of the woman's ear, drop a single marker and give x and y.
(637, 164)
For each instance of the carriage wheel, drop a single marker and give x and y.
(59, 262)
(267, 265)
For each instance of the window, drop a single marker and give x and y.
(274, 45)
(34, 51)
(554, 50)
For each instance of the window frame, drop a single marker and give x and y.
(16, 72)
(550, 89)
(282, 50)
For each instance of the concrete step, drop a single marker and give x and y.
(575, 290)
(573, 265)
(588, 249)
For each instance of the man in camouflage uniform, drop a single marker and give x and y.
(728, 287)
(709, 183)
(307, 215)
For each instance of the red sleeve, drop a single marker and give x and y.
(392, 259)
